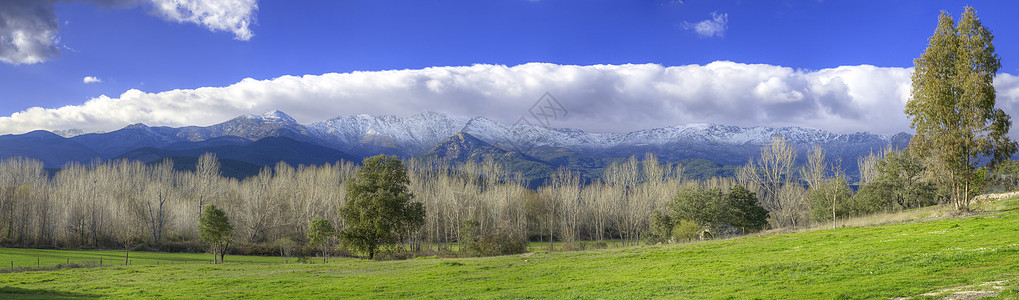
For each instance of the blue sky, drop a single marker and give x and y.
(134, 45)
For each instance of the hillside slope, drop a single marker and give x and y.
(264, 152)
(861, 262)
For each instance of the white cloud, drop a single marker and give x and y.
(216, 15)
(600, 98)
(714, 27)
(28, 28)
(91, 79)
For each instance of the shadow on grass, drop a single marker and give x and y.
(8, 292)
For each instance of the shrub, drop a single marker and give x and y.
(685, 230)
(501, 243)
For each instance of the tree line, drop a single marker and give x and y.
(475, 208)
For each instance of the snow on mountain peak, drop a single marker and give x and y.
(420, 132)
(280, 116)
(696, 126)
(69, 133)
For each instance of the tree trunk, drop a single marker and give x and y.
(551, 243)
(159, 232)
(834, 220)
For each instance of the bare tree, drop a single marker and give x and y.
(767, 175)
(868, 166)
(206, 189)
(563, 195)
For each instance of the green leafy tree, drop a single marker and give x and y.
(710, 207)
(872, 197)
(952, 106)
(379, 208)
(215, 229)
(829, 199)
(1006, 175)
(469, 237)
(321, 233)
(743, 211)
(661, 227)
(700, 205)
(899, 184)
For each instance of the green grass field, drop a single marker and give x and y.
(847, 263)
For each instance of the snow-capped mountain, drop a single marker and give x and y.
(410, 136)
(366, 135)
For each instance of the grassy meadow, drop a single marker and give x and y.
(976, 253)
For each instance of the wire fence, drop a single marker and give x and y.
(49, 263)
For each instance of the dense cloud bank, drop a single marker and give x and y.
(599, 98)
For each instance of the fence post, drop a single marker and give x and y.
(36, 262)
(100, 261)
(68, 261)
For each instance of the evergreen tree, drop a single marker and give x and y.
(215, 229)
(379, 208)
(743, 210)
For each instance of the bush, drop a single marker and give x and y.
(685, 230)
(303, 252)
(286, 246)
(259, 249)
(500, 243)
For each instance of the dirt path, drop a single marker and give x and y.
(968, 292)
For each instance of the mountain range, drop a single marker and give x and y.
(263, 140)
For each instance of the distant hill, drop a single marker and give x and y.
(701, 169)
(463, 147)
(264, 152)
(228, 167)
(213, 142)
(53, 150)
(112, 144)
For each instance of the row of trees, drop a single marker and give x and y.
(125, 203)
(128, 203)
